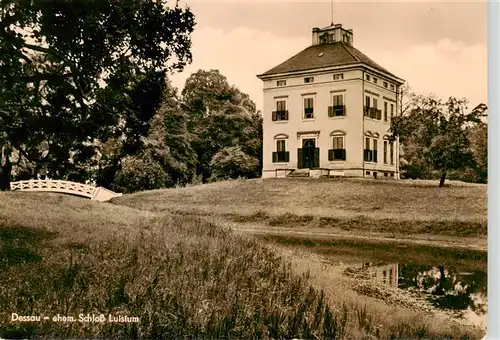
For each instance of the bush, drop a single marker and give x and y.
(140, 174)
(232, 163)
(465, 175)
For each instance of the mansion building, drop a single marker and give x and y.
(328, 109)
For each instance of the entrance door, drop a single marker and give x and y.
(308, 148)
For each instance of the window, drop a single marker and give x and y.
(385, 84)
(392, 110)
(280, 145)
(337, 152)
(367, 153)
(368, 77)
(392, 87)
(308, 108)
(338, 142)
(375, 112)
(385, 111)
(337, 108)
(309, 80)
(281, 112)
(371, 148)
(367, 106)
(385, 152)
(375, 80)
(281, 155)
(392, 153)
(338, 99)
(281, 83)
(326, 38)
(372, 112)
(338, 76)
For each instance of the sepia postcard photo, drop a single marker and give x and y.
(211, 169)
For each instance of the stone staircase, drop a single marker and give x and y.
(299, 173)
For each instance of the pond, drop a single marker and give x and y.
(464, 292)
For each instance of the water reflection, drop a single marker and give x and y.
(387, 273)
(444, 287)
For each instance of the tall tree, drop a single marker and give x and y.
(68, 70)
(144, 99)
(435, 134)
(220, 116)
(170, 129)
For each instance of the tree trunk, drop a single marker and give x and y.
(5, 168)
(441, 181)
(5, 176)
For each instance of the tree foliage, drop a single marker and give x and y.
(220, 116)
(140, 173)
(435, 135)
(170, 140)
(76, 72)
(209, 91)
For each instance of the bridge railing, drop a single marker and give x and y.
(86, 190)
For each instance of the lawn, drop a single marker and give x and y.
(186, 277)
(363, 205)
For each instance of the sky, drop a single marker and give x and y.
(437, 47)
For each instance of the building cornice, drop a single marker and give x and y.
(344, 81)
(317, 71)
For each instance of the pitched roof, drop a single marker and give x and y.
(325, 55)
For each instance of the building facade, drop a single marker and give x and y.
(329, 108)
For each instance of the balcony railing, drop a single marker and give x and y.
(336, 154)
(336, 111)
(281, 157)
(280, 115)
(308, 112)
(373, 112)
(370, 156)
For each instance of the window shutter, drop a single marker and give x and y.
(379, 114)
(343, 154)
(287, 156)
(275, 157)
(375, 156)
(344, 110)
(299, 158)
(330, 155)
(330, 111)
(316, 157)
(286, 115)
(274, 116)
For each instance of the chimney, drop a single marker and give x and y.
(315, 36)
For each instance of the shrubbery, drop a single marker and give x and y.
(232, 163)
(140, 174)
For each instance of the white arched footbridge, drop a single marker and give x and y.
(65, 187)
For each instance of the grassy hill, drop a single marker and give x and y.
(186, 277)
(366, 205)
